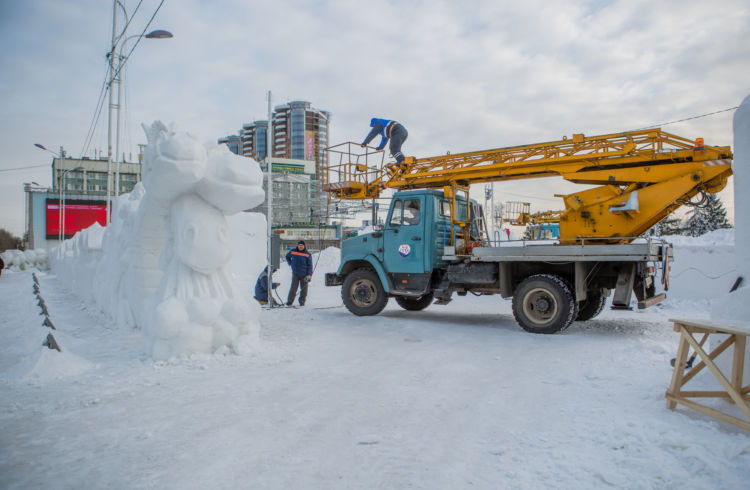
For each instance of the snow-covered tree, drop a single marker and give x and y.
(708, 216)
(671, 225)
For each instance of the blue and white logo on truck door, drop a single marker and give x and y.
(404, 250)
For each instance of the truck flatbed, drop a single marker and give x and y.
(650, 251)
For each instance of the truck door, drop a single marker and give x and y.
(404, 241)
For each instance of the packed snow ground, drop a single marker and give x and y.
(452, 397)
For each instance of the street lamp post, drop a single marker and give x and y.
(61, 156)
(157, 34)
(27, 188)
(62, 209)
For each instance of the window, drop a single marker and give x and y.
(445, 208)
(406, 212)
(411, 212)
(397, 213)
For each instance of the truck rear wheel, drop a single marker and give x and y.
(543, 303)
(591, 306)
(415, 304)
(363, 294)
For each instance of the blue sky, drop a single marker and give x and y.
(460, 75)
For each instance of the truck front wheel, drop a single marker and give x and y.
(415, 304)
(363, 294)
(543, 303)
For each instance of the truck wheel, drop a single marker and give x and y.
(591, 306)
(415, 304)
(363, 294)
(543, 303)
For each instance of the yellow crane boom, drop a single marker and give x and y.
(640, 176)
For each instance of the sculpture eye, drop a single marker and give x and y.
(189, 233)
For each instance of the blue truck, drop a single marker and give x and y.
(417, 258)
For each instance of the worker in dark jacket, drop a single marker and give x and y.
(388, 129)
(261, 287)
(302, 269)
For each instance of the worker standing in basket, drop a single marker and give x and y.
(388, 129)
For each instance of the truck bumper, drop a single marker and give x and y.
(333, 279)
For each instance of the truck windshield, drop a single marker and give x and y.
(406, 213)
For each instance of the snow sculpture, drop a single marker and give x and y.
(736, 306)
(162, 264)
(190, 189)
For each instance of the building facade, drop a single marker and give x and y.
(91, 176)
(300, 135)
(233, 142)
(299, 132)
(76, 200)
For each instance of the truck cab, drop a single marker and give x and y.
(402, 257)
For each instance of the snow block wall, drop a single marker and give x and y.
(164, 262)
(735, 306)
(703, 267)
(19, 260)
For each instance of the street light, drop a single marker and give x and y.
(62, 209)
(116, 77)
(61, 156)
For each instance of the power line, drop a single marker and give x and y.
(686, 119)
(138, 40)
(106, 84)
(124, 29)
(23, 168)
(95, 117)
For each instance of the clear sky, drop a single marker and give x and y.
(460, 76)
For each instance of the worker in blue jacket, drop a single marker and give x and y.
(261, 287)
(302, 269)
(388, 129)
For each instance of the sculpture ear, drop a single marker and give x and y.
(153, 132)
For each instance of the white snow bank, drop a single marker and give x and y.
(44, 365)
(734, 308)
(24, 259)
(703, 267)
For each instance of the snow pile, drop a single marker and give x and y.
(25, 357)
(19, 260)
(703, 267)
(163, 263)
(44, 365)
(326, 260)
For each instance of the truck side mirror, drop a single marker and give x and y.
(377, 227)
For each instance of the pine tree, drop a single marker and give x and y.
(671, 225)
(708, 216)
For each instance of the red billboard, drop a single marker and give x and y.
(79, 215)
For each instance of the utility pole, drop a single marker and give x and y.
(269, 196)
(112, 55)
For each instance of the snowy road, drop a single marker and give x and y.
(456, 396)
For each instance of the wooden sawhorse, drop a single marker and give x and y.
(734, 389)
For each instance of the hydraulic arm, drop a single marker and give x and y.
(639, 177)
